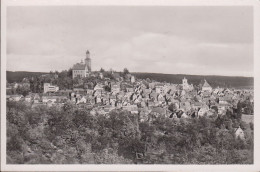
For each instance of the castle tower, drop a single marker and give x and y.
(88, 61)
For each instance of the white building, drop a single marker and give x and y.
(132, 79)
(239, 133)
(49, 88)
(101, 75)
(185, 85)
(115, 88)
(159, 89)
(82, 69)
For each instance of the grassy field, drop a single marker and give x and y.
(248, 118)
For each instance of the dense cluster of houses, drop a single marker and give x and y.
(143, 97)
(147, 98)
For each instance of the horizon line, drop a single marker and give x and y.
(154, 73)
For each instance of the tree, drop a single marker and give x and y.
(126, 71)
(69, 74)
(172, 107)
(102, 70)
(148, 80)
(23, 90)
(107, 88)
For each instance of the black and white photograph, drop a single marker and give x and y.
(128, 85)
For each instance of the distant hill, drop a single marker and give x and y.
(213, 80)
(19, 75)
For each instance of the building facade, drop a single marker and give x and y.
(185, 85)
(206, 86)
(82, 69)
(47, 87)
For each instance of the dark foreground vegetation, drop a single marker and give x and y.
(69, 135)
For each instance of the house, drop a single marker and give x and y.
(82, 100)
(47, 87)
(90, 92)
(153, 96)
(151, 103)
(34, 105)
(221, 112)
(143, 104)
(132, 79)
(223, 100)
(112, 100)
(210, 112)
(98, 87)
(159, 89)
(101, 76)
(117, 76)
(184, 115)
(115, 88)
(172, 88)
(173, 115)
(152, 85)
(49, 103)
(160, 98)
(239, 133)
(158, 111)
(119, 104)
(185, 85)
(131, 108)
(147, 91)
(98, 99)
(108, 108)
(202, 111)
(28, 98)
(97, 93)
(206, 86)
(15, 97)
(46, 99)
(129, 89)
(185, 105)
(196, 105)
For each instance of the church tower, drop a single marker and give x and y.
(88, 61)
(185, 84)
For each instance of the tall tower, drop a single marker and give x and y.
(185, 84)
(88, 61)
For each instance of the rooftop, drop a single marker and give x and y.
(79, 66)
(206, 84)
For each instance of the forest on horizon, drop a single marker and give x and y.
(213, 80)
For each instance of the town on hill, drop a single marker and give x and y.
(92, 117)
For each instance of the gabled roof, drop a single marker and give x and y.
(206, 84)
(159, 110)
(239, 129)
(79, 66)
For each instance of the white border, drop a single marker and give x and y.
(254, 167)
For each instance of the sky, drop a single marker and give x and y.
(158, 39)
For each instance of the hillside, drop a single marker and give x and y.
(19, 75)
(213, 80)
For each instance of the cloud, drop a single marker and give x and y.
(192, 40)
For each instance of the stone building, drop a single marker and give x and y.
(82, 69)
(185, 85)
